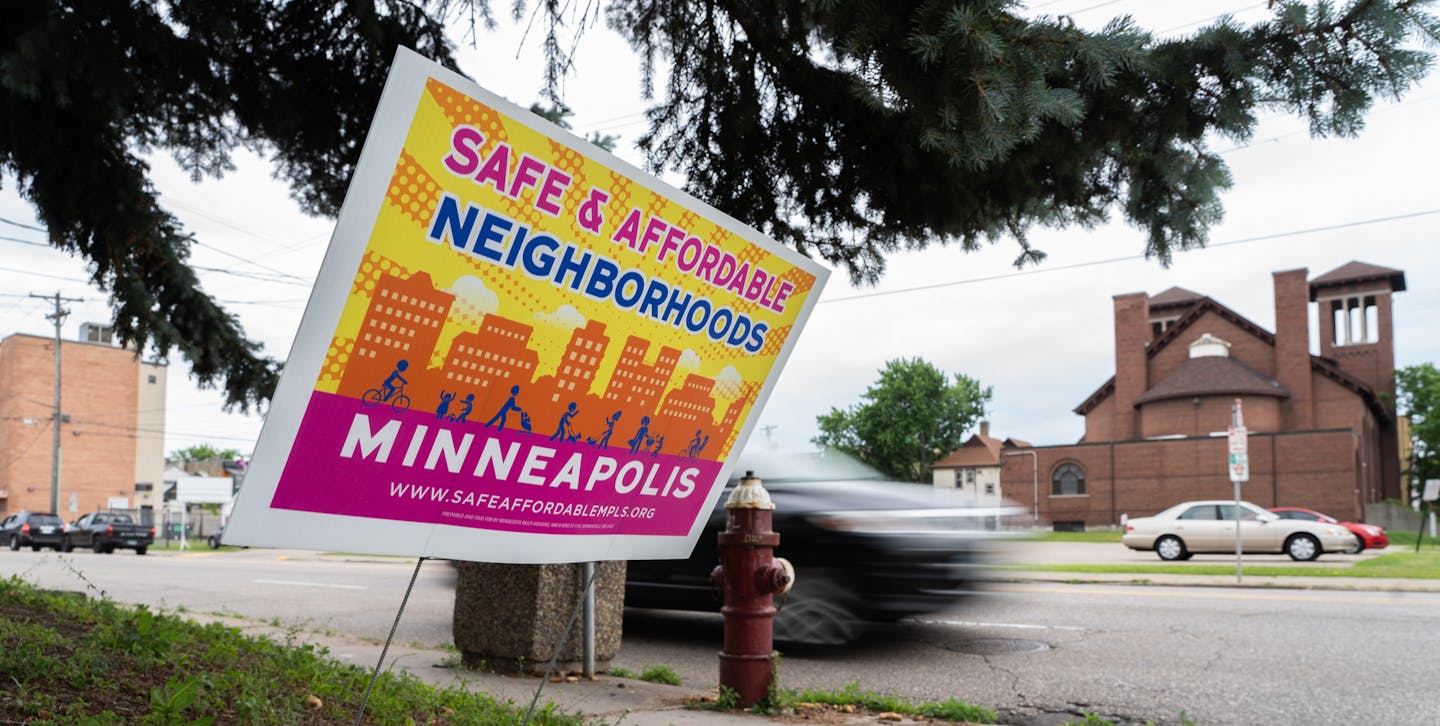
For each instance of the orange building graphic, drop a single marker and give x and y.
(579, 365)
(484, 364)
(686, 418)
(634, 384)
(483, 368)
(581, 361)
(748, 391)
(403, 322)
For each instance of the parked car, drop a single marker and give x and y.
(106, 531)
(33, 530)
(864, 550)
(1208, 527)
(214, 540)
(1366, 535)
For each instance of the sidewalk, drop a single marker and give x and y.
(605, 700)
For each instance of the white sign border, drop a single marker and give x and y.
(254, 522)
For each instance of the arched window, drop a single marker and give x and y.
(1068, 480)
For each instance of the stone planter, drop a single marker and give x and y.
(509, 618)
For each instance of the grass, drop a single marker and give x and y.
(1406, 540)
(1091, 536)
(654, 674)
(785, 700)
(951, 710)
(69, 660)
(191, 545)
(1424, 565)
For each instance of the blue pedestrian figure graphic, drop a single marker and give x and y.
(444, 407)
(509, 406)
(604, 439)
(394, 377)
(564, 432)
(658, 442)
(642, 438)
(466, 405)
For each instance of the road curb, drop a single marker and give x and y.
(1277, 582)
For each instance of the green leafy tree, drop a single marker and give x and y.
(913, 414)
(202, 452)
(1417, 393)
(847, 130)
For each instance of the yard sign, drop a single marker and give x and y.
(519, 348)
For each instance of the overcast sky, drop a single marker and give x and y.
(1041, 337)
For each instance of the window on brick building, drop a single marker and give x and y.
(1068, 480)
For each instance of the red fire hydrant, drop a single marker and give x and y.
(750, 576)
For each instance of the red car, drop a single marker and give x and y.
(1366, 535)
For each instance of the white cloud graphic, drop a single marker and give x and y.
(566, 316)
(727, 384)
(473, 300)
(689, 361)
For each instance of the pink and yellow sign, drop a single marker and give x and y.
(519, 349)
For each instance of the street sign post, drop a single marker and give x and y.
(1239, 465)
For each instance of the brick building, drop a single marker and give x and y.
(1322, 427)
(112, 430)
(974, 468)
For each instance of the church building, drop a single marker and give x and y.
(1322, 428)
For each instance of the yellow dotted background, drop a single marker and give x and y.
(398, 245)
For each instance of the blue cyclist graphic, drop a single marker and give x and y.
(389, 384)
(697, 445)
(391, 391)
(510, 405)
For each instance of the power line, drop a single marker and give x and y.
(255, 276)
(42, 274)
(24, 241)
(1128, 258)
(1092, 7)
(248, 261)
(1250, 6)
(22, 225)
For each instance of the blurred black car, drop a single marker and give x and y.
(864, 550)
(33, 530)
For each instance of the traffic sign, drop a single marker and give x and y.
(1239, 437)
(1239, 467)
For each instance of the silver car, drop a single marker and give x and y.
(1208, 527)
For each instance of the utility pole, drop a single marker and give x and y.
(768, 429)
(59, 318)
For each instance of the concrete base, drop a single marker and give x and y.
(510, 618)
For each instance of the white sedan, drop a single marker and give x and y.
(1208, 527)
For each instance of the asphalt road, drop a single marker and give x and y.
(1131, 653)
